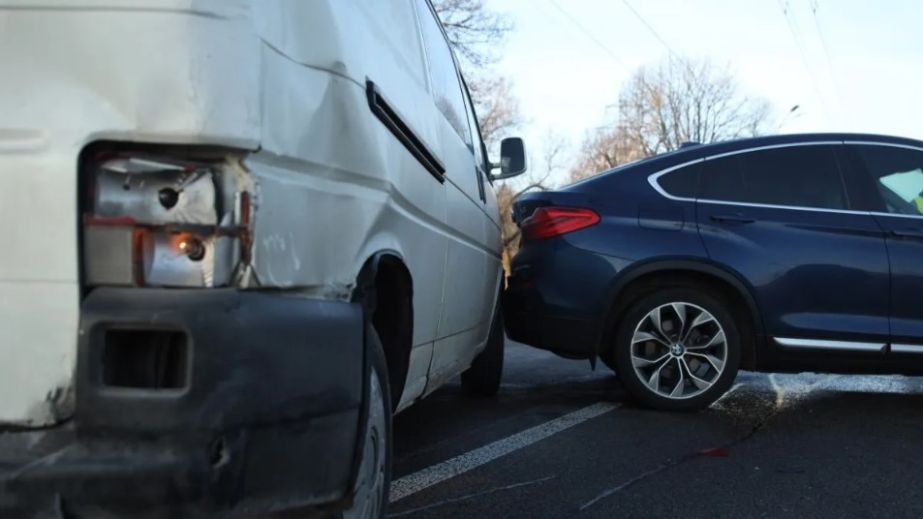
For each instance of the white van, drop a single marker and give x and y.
(239, 234)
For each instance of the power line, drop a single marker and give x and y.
(823, 41)
(815, 5)
(580, 27)
(650, 28)
(784, 5)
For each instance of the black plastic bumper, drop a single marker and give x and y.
(529, 321)
(266, 418)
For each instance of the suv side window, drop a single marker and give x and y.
(443, 75)
(799, 176)
(898, 177)
(683, 182)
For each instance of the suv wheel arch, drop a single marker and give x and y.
(640, 280)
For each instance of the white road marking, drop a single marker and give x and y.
(435, 474)
(735, 387)
(780, 393)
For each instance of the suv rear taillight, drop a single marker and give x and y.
(547, 222)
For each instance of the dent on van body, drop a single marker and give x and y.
(213, 73)
(335, 166)
(327, 164)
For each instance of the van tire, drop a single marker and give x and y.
(373, 478)
(483, 377)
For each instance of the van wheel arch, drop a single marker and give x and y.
(384, 289)
(643, 280)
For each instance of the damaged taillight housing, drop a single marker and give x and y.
(158, 220)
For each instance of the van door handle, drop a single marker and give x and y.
(732, 218)
(908, 233)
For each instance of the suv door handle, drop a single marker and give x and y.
(732, 218)
(908, 233)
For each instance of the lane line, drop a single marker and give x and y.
(435, 474)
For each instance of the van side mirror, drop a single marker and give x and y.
(512, 158)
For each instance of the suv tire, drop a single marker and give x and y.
(677, 349)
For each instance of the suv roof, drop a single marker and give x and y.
(737, 144)
(691, 151)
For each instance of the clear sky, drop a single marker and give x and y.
(861, 69)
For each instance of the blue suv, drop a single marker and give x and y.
(784, 253)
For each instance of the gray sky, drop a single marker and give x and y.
(860, 67)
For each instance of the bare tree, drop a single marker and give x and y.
(661, 108)
(497, 108)
(605, 149)
(477, 33)
(687, 101)
(473, 30)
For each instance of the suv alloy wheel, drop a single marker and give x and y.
(677, 349)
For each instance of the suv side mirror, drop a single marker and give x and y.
(512, 158)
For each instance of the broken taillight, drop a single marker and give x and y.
(547, 222)
(159, 221)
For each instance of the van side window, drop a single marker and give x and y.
(445, 85)
(898, 176)
(797, 176)
(396, 28)
(477, 144)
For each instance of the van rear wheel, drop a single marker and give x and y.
(373, 481)
(677, 349)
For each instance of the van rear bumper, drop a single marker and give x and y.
(262, 416)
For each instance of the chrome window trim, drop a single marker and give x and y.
(654, 178)
(906, 348)
(885, 144)
(787, 207)
(831, 345)
(895, 215)
(775, 147)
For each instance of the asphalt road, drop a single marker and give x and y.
(561, 440)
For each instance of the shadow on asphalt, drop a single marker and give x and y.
(766, 443)
(450, 422)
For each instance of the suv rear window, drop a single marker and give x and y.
(801, 176)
